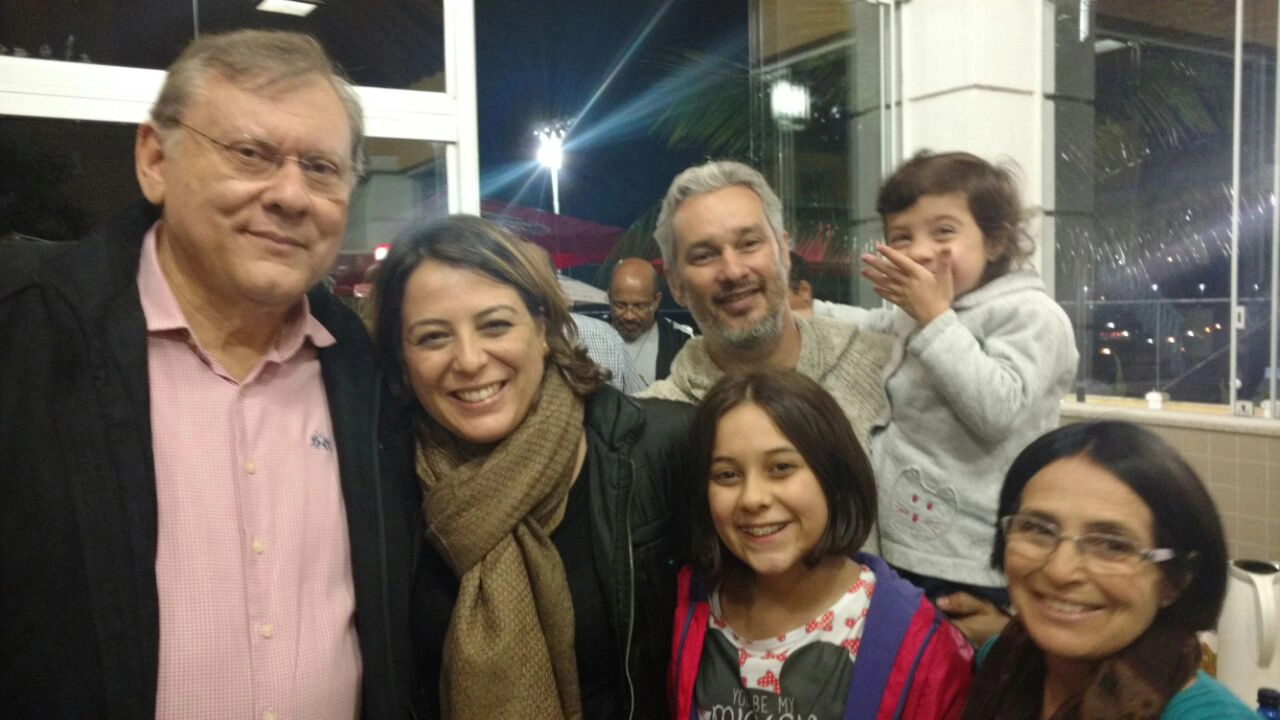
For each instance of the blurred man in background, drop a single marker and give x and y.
(652, 342)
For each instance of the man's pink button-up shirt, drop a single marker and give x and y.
(253, 565)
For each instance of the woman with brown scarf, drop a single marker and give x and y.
(1115, 558)
(546, 583)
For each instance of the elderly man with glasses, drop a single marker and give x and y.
(202, 515)
(652, 342)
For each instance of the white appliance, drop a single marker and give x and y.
(1248, 656)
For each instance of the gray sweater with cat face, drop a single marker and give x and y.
(966, 394)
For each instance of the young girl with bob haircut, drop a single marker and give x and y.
(982, 357)
(1116, 559)
(777, 614)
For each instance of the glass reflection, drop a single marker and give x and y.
(1154, 258)
(404, 180)
(807, 113)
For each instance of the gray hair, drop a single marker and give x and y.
(705, 178)
(255, 60)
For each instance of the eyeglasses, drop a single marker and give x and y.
(1103, 553)
(640, 307)
(258, 160)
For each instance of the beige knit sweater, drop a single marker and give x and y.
(844, 360)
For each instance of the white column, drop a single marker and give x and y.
(980, 76)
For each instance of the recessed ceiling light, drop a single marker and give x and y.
(287, 7)
(1106, 45)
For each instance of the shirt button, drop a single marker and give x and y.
(271, 715)
(250, 467)
(265, 630)
(259, 547)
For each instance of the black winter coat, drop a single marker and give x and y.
(79, 615)
(636, 462)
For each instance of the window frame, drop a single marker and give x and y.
(56, 89)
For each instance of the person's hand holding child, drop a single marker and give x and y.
(977, 618)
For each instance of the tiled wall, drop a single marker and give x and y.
(1242, 471)
(1243, 475)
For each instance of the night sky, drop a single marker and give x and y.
(539, 60)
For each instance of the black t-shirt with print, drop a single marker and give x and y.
(814, 684)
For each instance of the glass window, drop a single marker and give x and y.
(404, 180)
(380, 43)
(1147, 277)
(815, 97)
(61, 178)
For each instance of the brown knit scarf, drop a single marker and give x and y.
(508, 651)
(1134, 684)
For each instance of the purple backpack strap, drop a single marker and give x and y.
(893, 605)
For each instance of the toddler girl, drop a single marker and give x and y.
(982, 358)
(777, 616)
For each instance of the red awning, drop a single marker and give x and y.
(570, 241)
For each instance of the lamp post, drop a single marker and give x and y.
(551, 156)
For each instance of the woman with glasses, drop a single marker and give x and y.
(1115, 558)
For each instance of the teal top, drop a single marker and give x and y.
(1206, 699)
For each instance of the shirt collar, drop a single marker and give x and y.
(162, 312)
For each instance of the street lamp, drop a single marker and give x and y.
(551, 156)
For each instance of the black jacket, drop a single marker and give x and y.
(670, 340)
(636, 457)
(79, 615)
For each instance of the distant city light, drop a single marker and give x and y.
(1171, 340)
(1191, 333)
(1155, 287)
(1217, 326)
(1151, 341)
(380, 251)
(1201, 287)
(1111, 326)
(1124, 333)
(1105, 351)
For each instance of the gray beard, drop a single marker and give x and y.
(763, 334)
